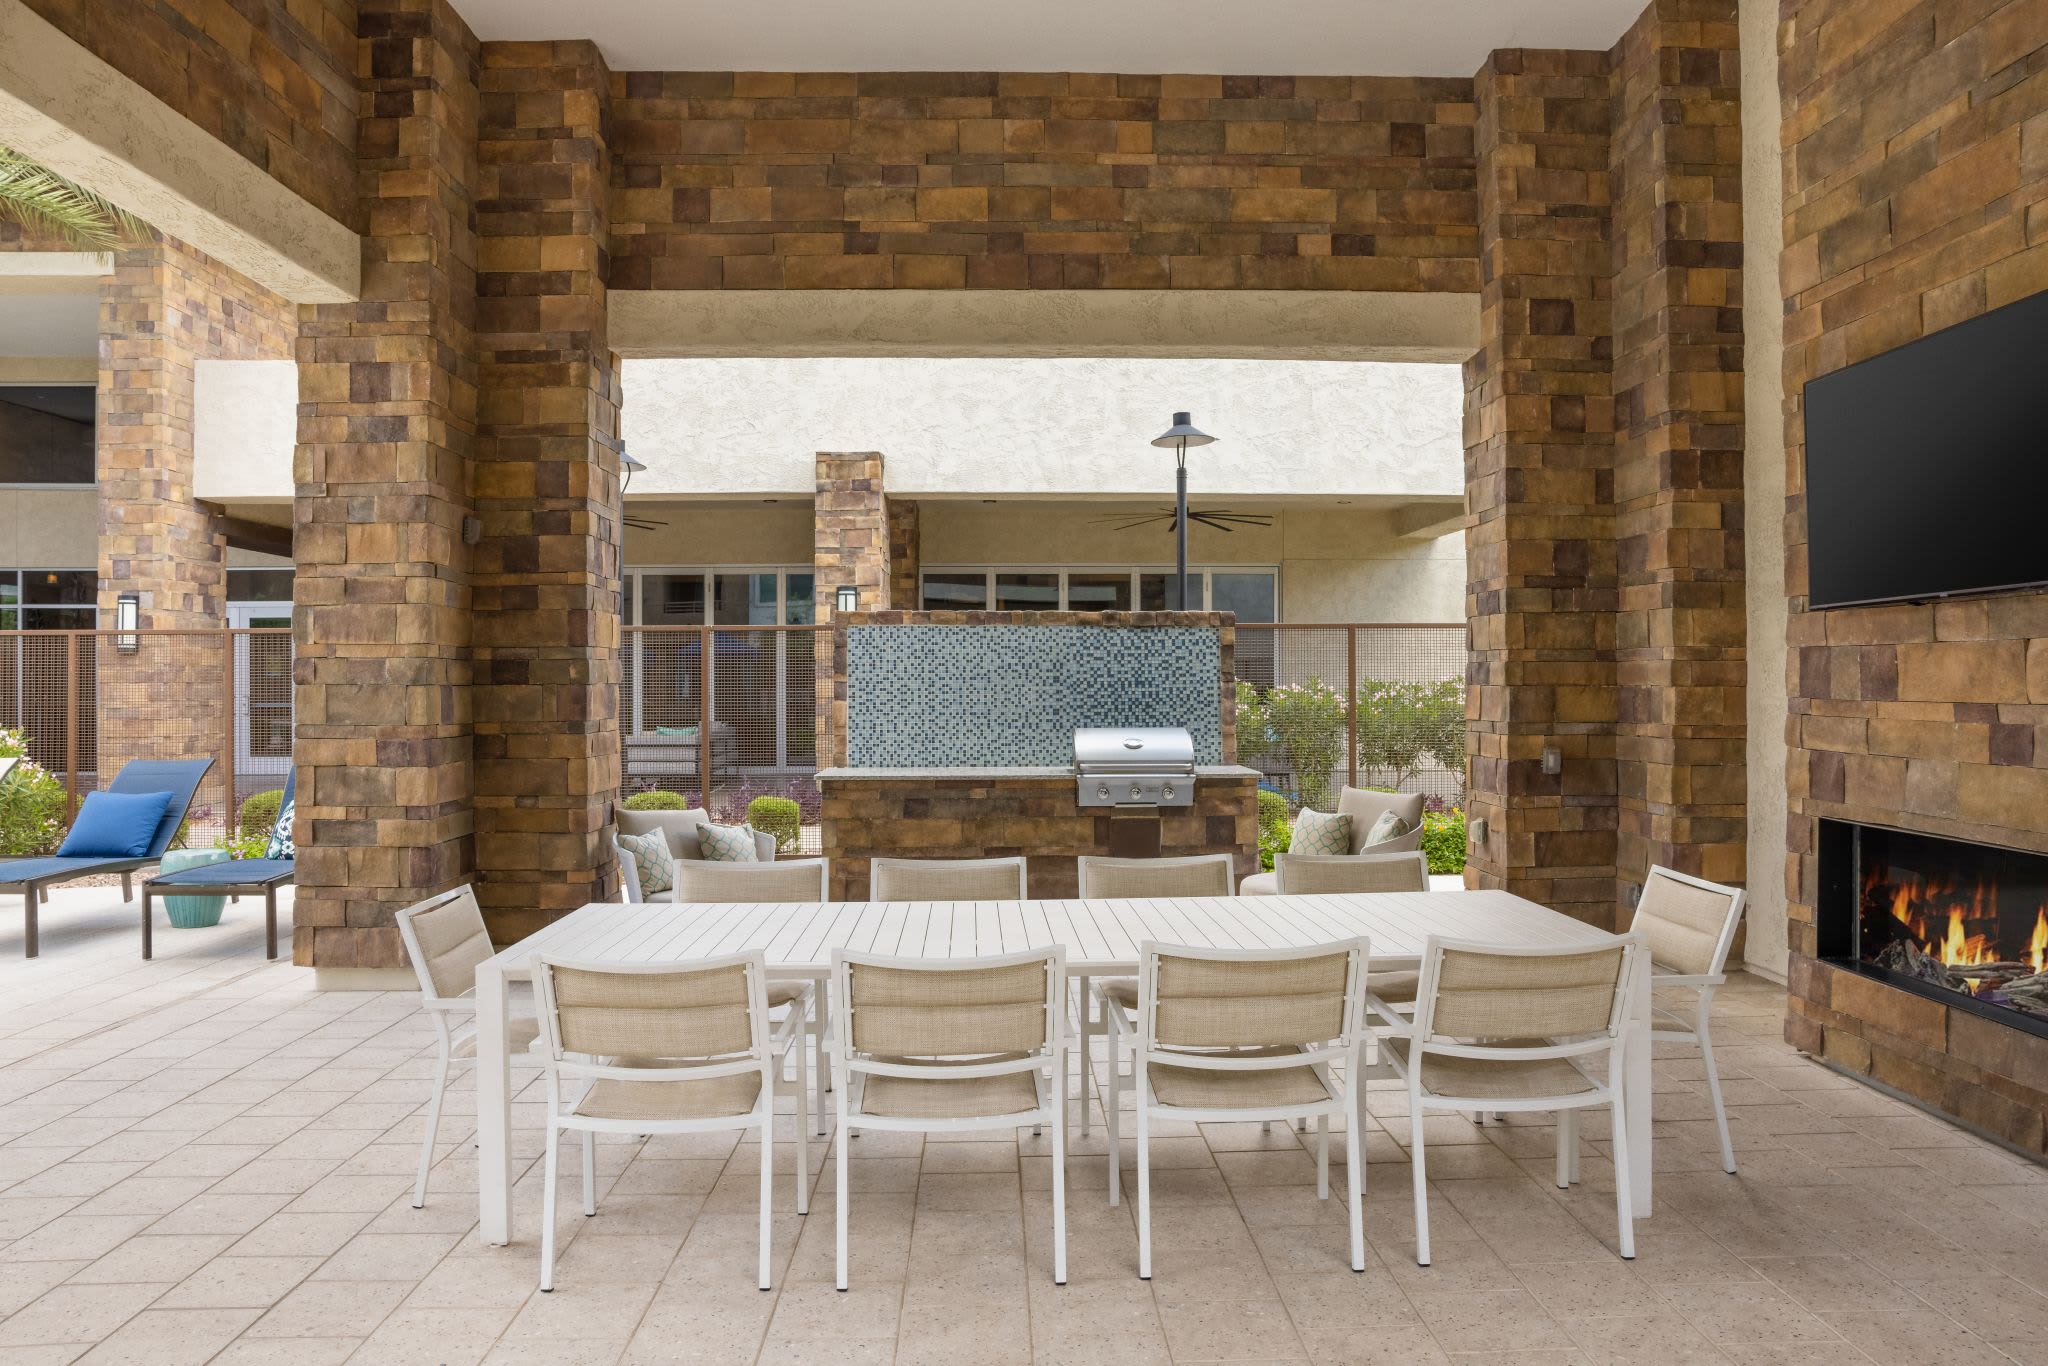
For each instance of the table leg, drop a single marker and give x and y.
(1637, 1083)
(1087, 1062)
(493, 1111)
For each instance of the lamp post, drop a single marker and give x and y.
(1177, 438)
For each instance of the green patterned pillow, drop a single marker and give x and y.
(1320, 832)
(1388, 827)
(727, 843)
(652, 860)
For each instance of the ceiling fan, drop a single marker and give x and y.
(1217, 519)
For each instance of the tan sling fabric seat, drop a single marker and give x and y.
(981, 879)
(701, 882)
(782, 993)
(520, 1031)
(1395, 988)
(1196, 1088)
(1196, 875)
(1489, 1079)
(708, 1099)
(1329, 874)
(949, 1098)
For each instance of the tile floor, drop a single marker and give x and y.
(203, 1160)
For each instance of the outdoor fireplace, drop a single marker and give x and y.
(1965, 923)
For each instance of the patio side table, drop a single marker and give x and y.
(193, 912)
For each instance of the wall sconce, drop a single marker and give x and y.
(1553, 760)
(848, 598)
(127, 617)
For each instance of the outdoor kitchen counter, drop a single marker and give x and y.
(940, 812)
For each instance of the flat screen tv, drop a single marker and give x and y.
(1927, 466)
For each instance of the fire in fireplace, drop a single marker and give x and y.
(1943, 916)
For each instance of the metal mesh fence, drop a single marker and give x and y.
(85, 703)
(1320, 707)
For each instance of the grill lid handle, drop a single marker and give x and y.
(1134, 743)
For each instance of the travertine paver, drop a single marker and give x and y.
(202, 1159)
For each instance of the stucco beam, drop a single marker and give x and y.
(1427, 521)
(77, 115)
(18, 267)
(1216, 324)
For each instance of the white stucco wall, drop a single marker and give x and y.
(1763, 483)
(245, 421)
(1041, 426)
(49, 529)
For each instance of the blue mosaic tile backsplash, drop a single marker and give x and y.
(1011, 696)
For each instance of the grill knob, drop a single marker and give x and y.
(1102, 791)
(1169, 792)
(1137, 792)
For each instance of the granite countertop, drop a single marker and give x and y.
(825, 775)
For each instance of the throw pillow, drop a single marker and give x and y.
(115, 825)
(1320, 832)
(652, 860)
(281, 843)
(1388, 827)
(727, 843)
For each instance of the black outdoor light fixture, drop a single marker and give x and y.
(629, 466)
(1177, 438)
(848, 598)
(127, 616)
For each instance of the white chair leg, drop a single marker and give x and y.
(1112, 1125)
(767, 1187)
(1567, 1146)
(814, 1036)
(1144, 1172)
(547, 1209)
(1416, 1164)
(1301, 1124)
(1322, 1155)
(1624, 1203)
(1354, 1176)
(419, 1186)
(589, 1174)
(841, 1232)
(803, 1131)
(1059, 1165)
(1714, 1082)
(1265, 1126)
(1087, 1061)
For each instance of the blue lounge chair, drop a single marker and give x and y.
(238, 877)
(33, 876)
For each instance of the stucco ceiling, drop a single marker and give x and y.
(1270, 37)
(49, 323)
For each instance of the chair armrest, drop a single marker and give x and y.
(764, 846)
(1696, 980)
(1393, 1018)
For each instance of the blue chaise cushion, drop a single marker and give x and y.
(115, 825)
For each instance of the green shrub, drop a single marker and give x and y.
(657, 801)
(248, 844)
(780, 817)
(1275, 827)
(31, 803)
(259, 812)
(1443, 840)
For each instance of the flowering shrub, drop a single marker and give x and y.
(31, 803)
(1400, 724)
(1443, 840)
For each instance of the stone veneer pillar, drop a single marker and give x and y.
(1680, 634)
(165, 308)
(853, 534)
(387, 426)
(906, 554)
(544, 486)
(1539, 419)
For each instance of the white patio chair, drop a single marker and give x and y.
(703, 883)
(930, 1045)
(964, 879)
(1201, 875)
(1234, 1035)
(1687, 925)
(445, 939)
(664, 1048)
(1501, 1028)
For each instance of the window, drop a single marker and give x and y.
(1253, 594)
(49, 599)
(46, 435)
(260, 585)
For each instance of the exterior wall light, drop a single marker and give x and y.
(127, 617)
(848, 598)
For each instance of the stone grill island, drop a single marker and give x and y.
(951, 736)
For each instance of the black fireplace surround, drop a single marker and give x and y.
(1966, 924)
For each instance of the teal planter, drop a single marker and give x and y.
(193, 912)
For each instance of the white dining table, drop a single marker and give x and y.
(1102, 938)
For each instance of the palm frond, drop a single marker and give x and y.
(42, 201)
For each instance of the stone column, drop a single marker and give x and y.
(387, 424)
(1680, 633)
(852, 549)
(1539, 480)
(906, 553)
(165, 308)
(544, 486)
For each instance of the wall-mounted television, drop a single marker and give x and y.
(1927, 466)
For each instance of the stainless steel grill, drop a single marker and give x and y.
(1138, 766)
